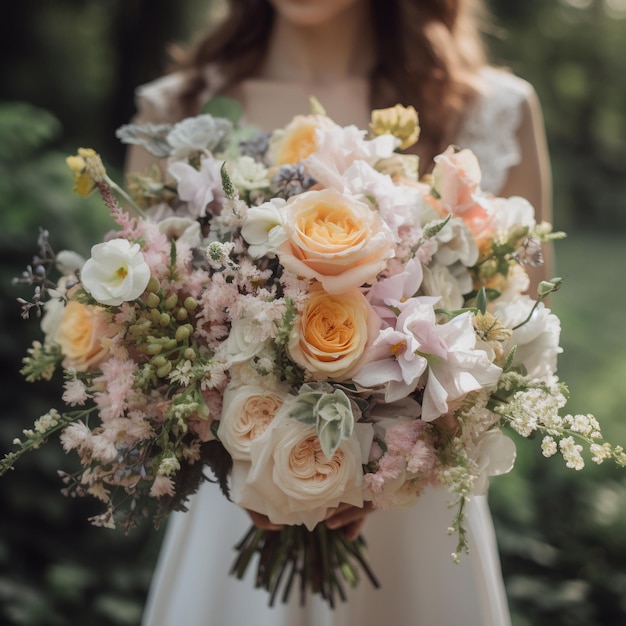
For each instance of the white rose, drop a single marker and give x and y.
(247, 411)
(290, 479)
(248, 337)
(116, 272)
(537, 340)
(263, 228)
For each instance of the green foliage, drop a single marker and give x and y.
(573, 54)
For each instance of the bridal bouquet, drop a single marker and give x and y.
(301, 313)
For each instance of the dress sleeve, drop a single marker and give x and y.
(491, 124)
(156, 102)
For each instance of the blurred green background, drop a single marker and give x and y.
(69, 69)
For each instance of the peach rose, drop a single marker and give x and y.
(291, 480)
(336, 239)
(298, 139)
(247, 411)
(331, 333)
(80, 331)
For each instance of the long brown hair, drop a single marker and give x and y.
(429, 54)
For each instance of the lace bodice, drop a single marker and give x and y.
(489, 128)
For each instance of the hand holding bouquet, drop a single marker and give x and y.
(302, 314)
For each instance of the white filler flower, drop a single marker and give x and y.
(116, 272)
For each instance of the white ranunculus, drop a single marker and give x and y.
(116, 272)
(248, 174)
(247, 411)
(263, 228)
(494, 455)
(290, 479)
(537, 341)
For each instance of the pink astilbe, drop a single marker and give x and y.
(117, 378)
(75, 393)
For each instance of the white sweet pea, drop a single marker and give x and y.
(440, 281)
(512, 213)
(116, 272)
(456, 243)
(263, 228)
(494, 455)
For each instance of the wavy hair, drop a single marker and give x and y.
(429, 54)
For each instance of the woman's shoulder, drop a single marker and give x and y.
(159, 100)
(491, 123)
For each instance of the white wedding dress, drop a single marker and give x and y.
(409, 550)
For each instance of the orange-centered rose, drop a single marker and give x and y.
(336, 239)
(298, 139)
(330, 335)
(80, 333)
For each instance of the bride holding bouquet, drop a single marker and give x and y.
(353, 56)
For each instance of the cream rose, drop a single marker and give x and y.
(331, 333)
(79, 332)
(335, 239)
(247, 411)
(290, 479)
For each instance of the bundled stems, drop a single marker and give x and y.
(323, 560)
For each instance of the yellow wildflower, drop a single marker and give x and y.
(400, 121)
(88, 170)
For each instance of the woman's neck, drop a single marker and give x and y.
(336, 50)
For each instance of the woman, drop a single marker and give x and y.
(353, 55)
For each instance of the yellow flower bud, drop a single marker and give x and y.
(400, 121)
(88, 170)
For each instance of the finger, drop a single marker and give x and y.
(348, 516)
(263, 522)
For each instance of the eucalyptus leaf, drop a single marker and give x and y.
(153, 137)
(224, 107)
